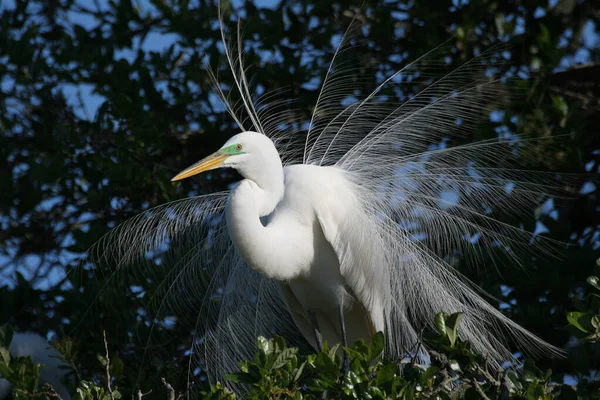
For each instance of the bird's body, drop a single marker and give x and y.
(293, 248)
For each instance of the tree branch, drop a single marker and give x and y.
(107, 368)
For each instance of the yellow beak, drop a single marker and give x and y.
(213, 161)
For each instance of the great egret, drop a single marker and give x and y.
(52, 370)
(363, 212)
(318, 242)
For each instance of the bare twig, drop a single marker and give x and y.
(445, 385)
(504, 387)
(140, 395)
(110, 392)
(169, 389)
(488, 376)
(82, 105)
(479, 390)
(176, 65)
(51, 392)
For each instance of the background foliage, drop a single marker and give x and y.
(102, 102)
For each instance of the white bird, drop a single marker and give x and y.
(354, 221)
(317, 242)
(52, 370)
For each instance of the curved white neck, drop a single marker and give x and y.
(266, 190)
(255, 242)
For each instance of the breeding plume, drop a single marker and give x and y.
(343, 225)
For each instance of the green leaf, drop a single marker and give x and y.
(531, 372)
(240, 377)
(440, 322)
(101, 359)
(594, 281)
(514, 379)
(580, 320)
(376, 347)
(263, 345)
(499, 21)
(235, 377)
(6, 334)
(254, 371)
(325, 364)
(354, 378)
(284, 356)
(360, 347)
(4, 356)
(285, 378)
(452, 323)
(333, 351)
(429, 374)
(375, 393)
(5, 370)
(116, 366)
(535, 392)
(595, 321)
(386, 374)
(299, 371)
(279, 343)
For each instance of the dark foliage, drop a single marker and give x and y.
(280, 372)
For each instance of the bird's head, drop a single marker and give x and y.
(248, 152)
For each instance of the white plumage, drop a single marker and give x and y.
(311, 241)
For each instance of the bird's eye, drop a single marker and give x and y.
(238, 147)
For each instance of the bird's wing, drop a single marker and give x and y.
(354, 237)
(178, 260)
(401, 280)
